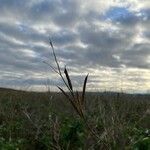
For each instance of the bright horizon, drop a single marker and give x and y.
(108, 40)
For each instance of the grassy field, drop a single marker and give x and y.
(47, 121)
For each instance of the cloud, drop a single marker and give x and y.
(99, 37)
(137, 56)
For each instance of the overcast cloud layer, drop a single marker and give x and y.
(110, 40)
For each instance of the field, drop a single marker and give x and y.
(47, 121)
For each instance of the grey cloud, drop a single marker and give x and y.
(43, 11)
(27, 34)
(64, 37)
(27, 81)
(104, 39)
(146, 14)
(137, 56)
(102, 45)
(14, 5)
(68, 13)
(147, 34)
(63, 13)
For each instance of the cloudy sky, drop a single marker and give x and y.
(109, 39)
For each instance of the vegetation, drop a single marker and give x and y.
(73, 120)
(30, 120)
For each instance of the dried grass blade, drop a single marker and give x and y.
(67, 96)
(78, 99)
(51, 67)
(79, 102)
(84, 88)
(72, 102)
(58, 67)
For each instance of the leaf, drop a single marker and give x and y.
(67, 96)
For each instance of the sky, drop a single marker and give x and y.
(109, 39)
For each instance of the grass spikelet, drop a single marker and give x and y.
(68, 79)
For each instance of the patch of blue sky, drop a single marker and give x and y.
(116, 13)
(22, 28)
(123, 16)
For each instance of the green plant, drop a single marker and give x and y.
(11, 145)
(141, 139)
(72, 134)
